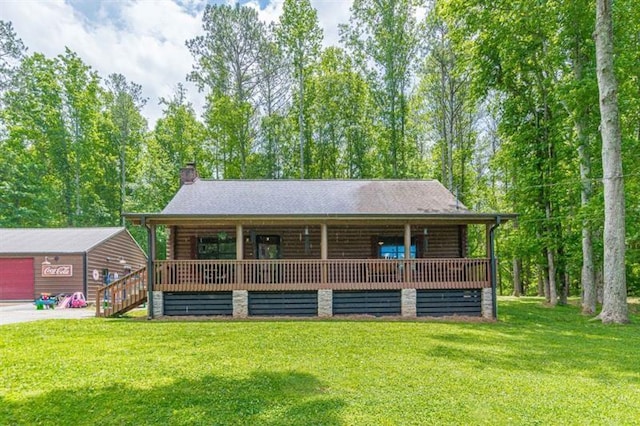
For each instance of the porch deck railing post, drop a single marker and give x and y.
(324, 252)
(239, 255)
(407, 253)
(493, 265)
(151, 273)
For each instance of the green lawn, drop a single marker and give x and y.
(536, 366)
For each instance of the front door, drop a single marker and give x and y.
(268, 247)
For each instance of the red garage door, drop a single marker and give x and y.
(16, 279)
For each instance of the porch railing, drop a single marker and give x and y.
(122, 295)
(347, 274)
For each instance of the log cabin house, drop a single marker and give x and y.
(316, 248)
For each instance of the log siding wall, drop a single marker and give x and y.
(344, 242)
(120, 245)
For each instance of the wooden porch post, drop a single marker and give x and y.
(493, 265)
(488, 241)
(324, 250)
(239, 253)
(151, 275)
(324, 245)
(407, 252)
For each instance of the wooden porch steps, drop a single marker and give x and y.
(122, 295)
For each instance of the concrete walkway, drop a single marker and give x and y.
(25, 312)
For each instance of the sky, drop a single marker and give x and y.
(144, 40)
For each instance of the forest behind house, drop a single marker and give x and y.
(497, 100)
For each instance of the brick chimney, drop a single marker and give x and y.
(188, 174)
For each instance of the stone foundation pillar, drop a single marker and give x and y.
(408, 302)
(325, 303)
(158, 303)
(240, 303)
(487, 303)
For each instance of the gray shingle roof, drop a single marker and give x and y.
(53, 240)
(313, 197)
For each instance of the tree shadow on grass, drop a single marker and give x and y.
(263, 398)
(547, 340)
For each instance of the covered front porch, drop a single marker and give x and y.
(302, 254)
(290, 263)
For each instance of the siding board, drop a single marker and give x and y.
(218, 303)
(377, 303)
(57, 285)
(285, 303)
(107, 254)
(448, 302)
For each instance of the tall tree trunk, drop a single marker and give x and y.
(566, 283)
(446, 144)
(517, 280)
(301, 121)
(123, 135)
(452, 137)
(614, 307)
(541, 281)
(599, 285)
(123, 181)
(587, 276)
(545, 277)
(526, 276)
(394, 132)
(562, 273)
(553, 289)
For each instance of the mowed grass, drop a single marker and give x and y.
(536, 366)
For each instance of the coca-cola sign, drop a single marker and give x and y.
(57, 270)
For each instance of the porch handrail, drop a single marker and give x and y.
(123, 294)
(236, 274)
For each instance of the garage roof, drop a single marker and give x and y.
(53, 240)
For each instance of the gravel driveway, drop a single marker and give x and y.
(25, 312)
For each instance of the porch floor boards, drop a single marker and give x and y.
(186, 287)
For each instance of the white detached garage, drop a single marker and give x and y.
(64, 260)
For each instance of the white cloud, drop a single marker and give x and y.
(143, 40)
(270, 13)
(330, 14)
(146, 44)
